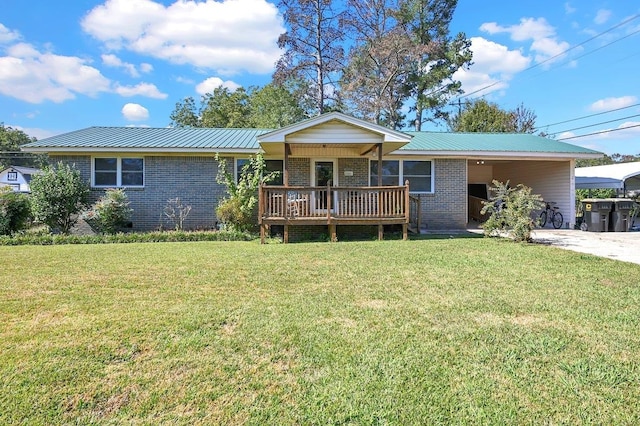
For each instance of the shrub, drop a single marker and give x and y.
(510, 211)
(238, 210)
(15, 211)
(111, 213)
(58, 194)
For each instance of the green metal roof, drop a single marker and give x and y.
(153, 138)
(189, 139)
(489, 142)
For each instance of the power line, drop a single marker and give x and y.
(597, 124)
(626, 21)
(599, 133)
(587, 116)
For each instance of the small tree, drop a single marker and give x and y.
(58, 194)
(511, 211)
(238, 209)
(15, 211)
(112, 212)
(176, 212)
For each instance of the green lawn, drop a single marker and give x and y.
(431, 331)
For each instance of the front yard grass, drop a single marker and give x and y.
(433, 331)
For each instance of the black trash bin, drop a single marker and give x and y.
(620, 214)
(595, 215)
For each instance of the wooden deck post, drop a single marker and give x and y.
(333, 235)
(285, 164)
(407, 207)
(261, 212)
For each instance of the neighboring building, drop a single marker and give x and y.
(330, 154)
(623, 177)
(17, 177)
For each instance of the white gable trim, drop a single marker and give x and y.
(388, 135)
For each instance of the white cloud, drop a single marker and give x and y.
(547, 48)
(113, 61)
(543, 36)
(6, 35)
(569, 9)
(184, 80)
(146, 68)
(602, 16)
(142, 89)
(609, 104)
(227, 36)
(528, 29)
(212, 83)
(33, 76)
(135, 112)
(493, 65)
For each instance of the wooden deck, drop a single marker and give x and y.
(333, 206)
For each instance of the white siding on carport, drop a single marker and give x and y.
(553, 180)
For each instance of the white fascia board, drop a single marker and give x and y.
(499, 155)
(92, 150)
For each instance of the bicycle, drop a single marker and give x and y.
(553, 214)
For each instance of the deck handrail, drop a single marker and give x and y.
(354, 202)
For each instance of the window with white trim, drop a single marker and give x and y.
(270, 166)
(396, 172)
(118, 172)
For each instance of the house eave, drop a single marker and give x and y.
(210, 151)
(520, 155)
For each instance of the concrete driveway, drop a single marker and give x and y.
(624, 246)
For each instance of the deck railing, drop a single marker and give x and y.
(303, 202)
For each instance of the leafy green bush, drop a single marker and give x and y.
(231, 213)
(510, 211)
(15, 211)
(111, 213)
(238, 210)
(58, 194)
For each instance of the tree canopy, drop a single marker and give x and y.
(10, 141)
(314, 51)
(483, 116)
(271, 106)
(375, 59)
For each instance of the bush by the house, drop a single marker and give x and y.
(111, 212)
(58, 194)
(510, 211)
(15, 211)
(238, 210)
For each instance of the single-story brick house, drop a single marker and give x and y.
(329, 168)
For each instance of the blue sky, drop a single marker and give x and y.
(74, 64)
